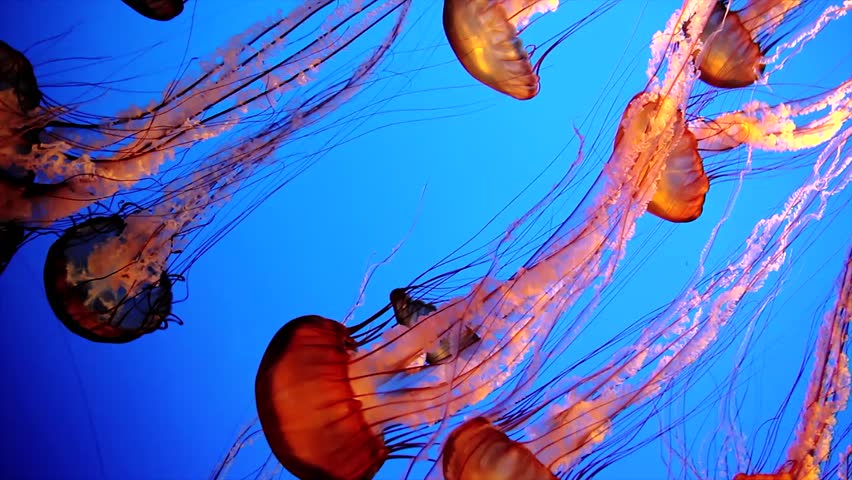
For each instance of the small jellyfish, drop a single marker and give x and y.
(162, 10)
(409, 311)
(110, 278)
(484, 36)
(735, 42)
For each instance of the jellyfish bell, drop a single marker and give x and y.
(478, 450)
(763, 476)
(100, 288)
(311, 417)
(683, 184)
(730, 56)
(162, 10)
(484, 37)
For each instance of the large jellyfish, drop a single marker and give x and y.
(19, 94)
(447, 350)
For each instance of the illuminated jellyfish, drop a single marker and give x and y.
(79, 163)
(684, 183)
(125, 308)
(485, 37)
(110, 278)
(337, 401)
(574, 427)
(735, 42)
(161, 10)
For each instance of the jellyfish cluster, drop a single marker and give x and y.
(576, 331)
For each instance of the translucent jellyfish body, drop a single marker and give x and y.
(98, 287)
(484, 36)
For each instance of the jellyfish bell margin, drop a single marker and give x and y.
(109, 308)
(683, 184)
(307, 408)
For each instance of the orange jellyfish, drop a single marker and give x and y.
(105, 300)
(161, 10)
(735, 42)
(485, 37)
(684, 183)
(16, 73)
(110, 278)
(364, 384)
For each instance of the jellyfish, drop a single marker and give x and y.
(116, 312)
(735, 42)
(110, 278)
(19, 94)
(485, 37)
(809, 455)
(162, 10)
